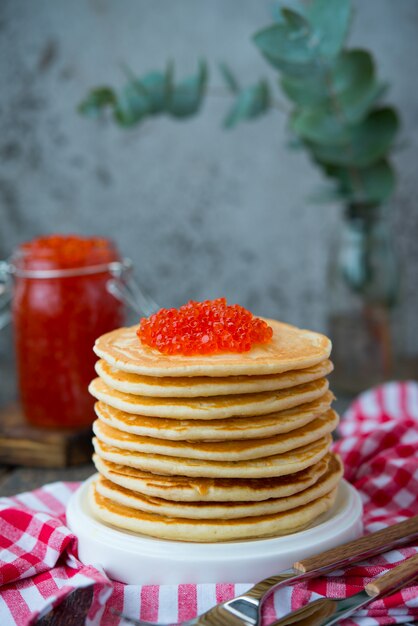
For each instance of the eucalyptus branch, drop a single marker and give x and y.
(353, 172)
(219, 92)
(332, 91)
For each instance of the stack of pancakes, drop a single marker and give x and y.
(214, 447)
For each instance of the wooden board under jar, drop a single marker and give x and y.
(23, 444)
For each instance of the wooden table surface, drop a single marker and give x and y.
(17, 479)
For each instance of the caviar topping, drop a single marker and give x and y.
(65, 251)
(203, 328)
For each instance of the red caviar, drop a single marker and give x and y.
(65, 251)
(204, 328)
(60, 305)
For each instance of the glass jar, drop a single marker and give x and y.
(60, 304)
(364, 289)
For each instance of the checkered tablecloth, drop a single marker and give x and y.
(38, 554)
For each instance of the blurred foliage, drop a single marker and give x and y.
(333, 94)
(154, 93)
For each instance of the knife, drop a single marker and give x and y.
(245, 610)
(247, 607)
(327, 611)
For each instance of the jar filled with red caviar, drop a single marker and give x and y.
(60, 303)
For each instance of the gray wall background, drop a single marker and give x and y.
(201, 211)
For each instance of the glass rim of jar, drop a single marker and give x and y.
(115, 268)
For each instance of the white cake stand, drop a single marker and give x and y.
(142, 560)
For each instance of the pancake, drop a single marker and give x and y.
(183, 529)
(214, 430)
(239, 450)
(201, 386)
(289, 349)
(218, 407)
(185, 489)
(276, 465)
(221, 510)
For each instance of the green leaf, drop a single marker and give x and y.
(97, 100)
(320, 126)
(354, 85)
(296, 21)
(369, 141)
(352, 68)
(308, 91)
(287, 45)
(379, 181)
(330, 20)
(300, 70)
(290, 45)
(349, 86)
(156, 87)
(229, 78)
(251, 102)
(186, 97)
(133, 104)
(370, 185)
(278, 11)
(356, 105)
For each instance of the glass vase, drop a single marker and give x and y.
(364, 295)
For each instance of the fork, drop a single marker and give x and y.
(245, 610)
(327, 611)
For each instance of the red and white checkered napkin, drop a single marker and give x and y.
(39, 565)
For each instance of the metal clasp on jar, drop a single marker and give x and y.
(5, 293)
(124, 287)
(121, 285)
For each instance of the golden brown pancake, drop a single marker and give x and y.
(183, 529)
(221, 510)
(276, 465)
(217, 447)
(215, 430)
(218, 407)
(203, 386)
(239, 450)
(290, 348)
(186, 489)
